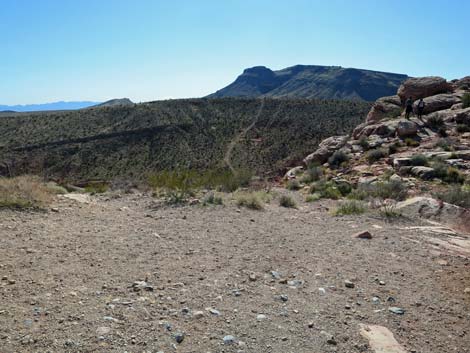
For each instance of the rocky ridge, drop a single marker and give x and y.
(428, 155)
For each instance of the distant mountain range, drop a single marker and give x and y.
(62, 105)
(313, 81)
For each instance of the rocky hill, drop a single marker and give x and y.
(129, 141)
(312, 81)
(421, 158)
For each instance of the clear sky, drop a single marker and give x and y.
(54, 50)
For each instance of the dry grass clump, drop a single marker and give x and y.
(23, 192)
(254, 200)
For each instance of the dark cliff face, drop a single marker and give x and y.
(313, 81)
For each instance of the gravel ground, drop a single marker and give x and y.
(274, 280)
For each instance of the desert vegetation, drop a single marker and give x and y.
(24, 192)
(129, 141)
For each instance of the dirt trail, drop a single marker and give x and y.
(67, 276)
(236, 140)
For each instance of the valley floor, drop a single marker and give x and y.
(67, 276)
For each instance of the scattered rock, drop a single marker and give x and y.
(214, 312)
(179, 337)
(380, 339)
(363, 235)
(396, 310)
(229, 339)
(349, 284)
(103, 330)
(141, 285)
(284, 297)
(260, 317)
(325, 149)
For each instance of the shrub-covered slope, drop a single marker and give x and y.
(130, 141)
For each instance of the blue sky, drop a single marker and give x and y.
(95, 50)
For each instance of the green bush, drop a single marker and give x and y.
(293, 185)
(393, 189)
(435, 122)
(186, 182)
(419, 160)
(462, 128)
(350, 207)
(249, 200)
(337, 159)
(326, 189)
(313, 173)
(466, 100)
(456, 195)
(287, 201)
(364, 143)
(212, 199)
(313, 197)
(389, 211)
(411, 143)
(445, 144)
(375, 155)
(96, 188)
(447, 173)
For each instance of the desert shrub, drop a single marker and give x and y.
(393, 148)
(313, 173)
(186, 182)
(293, 185)
(313, 197)
(337, 159)
(23, 192)
(392, 189)
(350, 207)
(411, 143)
(96, 188)
(389, 211)
(466, 100)
(326, 189)
(364, 143)
(249, 200)
(287, 201)
(56, 189)
(447, 173)
(344, 187)
(375, 155)
(212, 199)
(435, 122)
(442, 132)
(445, 144)
(456, 195)
(419, 160)
(462, 128)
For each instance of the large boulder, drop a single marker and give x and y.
(292, 173)
(462, 116)
(325, 149)
(422, 87)
(463, 83)
(438, 102)
(385, 107)
(406, 128)
(425, 173)
(426, 207)
(384, 128)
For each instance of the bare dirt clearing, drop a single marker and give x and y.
(223, 279)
